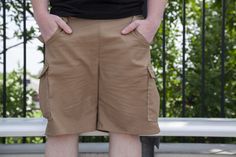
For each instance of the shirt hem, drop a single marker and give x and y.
(97, 16)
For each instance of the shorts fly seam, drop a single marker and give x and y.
(99, 50)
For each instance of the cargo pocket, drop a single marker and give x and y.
(153, 105)
(44, 92)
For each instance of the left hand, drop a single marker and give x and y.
(143, 26)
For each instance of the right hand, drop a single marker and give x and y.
(49, 23)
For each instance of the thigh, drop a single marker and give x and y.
(68, 81)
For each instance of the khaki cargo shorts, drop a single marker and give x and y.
(98, 79)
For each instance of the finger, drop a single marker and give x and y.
(63, 25)
(130, 27)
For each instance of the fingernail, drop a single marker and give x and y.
(123, 31)
(70, 31)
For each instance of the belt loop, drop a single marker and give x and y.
(135, 17)
(68, 19)
(132, 18)
(65, 18)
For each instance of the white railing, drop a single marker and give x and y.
(210, 127)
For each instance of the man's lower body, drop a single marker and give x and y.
(98, 79)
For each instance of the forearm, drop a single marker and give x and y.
(40, 8)
(155, 10)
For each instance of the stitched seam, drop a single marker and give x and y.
(148, 97)
(48, 96)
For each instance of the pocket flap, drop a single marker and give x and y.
(43, 71)
(151, 71)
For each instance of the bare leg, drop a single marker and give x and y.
(124, 145)
(62, 146)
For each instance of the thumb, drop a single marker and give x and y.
(130, 27)
(64, 25)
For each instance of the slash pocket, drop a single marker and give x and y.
(52, 37)
(55, 33)
(137, 34)
(153, 105)
(44, 92)
(140, 37)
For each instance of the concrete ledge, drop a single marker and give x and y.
(176, 149)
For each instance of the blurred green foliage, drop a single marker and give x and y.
(213, 21)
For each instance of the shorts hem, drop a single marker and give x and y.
(140, 133)
(70, 132)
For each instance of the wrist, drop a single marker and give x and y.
(154, 23)
(41, 15)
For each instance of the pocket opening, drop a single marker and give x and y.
(141, 37)
(137, 34)
(58, 30)
(43, 71)
(151, 71)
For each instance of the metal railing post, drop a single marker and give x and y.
(148, 143)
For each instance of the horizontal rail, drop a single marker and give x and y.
(208, 127)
